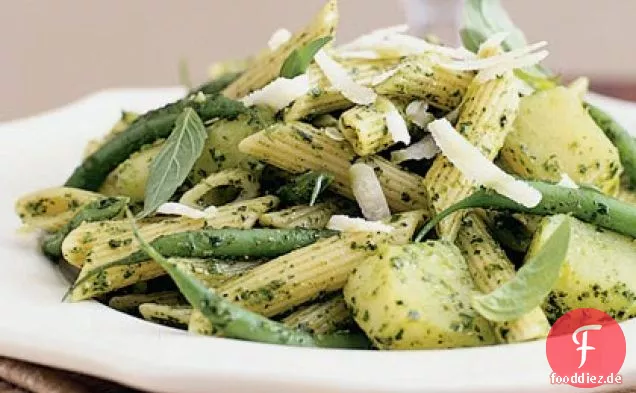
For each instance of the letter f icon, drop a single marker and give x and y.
(584, 347)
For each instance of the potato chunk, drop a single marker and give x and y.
(599, 270)
(416, 296)
(553, 135)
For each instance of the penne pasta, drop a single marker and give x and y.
(323, 317)
(485, 119)
(266, 68)
(50, 209)
(301, 216)
(421, 78)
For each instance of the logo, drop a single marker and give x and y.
(585, 348)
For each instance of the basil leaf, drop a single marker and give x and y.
(298, 61)
(532, 283)
(175, 160)
(482, 19)
(488, 17)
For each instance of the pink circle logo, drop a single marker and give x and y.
(585, 348)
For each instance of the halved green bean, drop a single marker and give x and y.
(583, 203)
(236, 322)
(99, 210)
(144, 130)
(620, 137)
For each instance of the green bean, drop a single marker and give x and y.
(217, 85)
(102, 209)
(234, 321)
(221, 243)
(144, 130)
(583, 203)
(305, 188)
(620, 137)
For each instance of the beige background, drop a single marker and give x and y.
(54, 51)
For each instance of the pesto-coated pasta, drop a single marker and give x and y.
(302, 216)
(421, 78)
(365, 127)
(485, 119)
(50, 209)
(298, 147)
(213, 190)
(130, 303)
(324, 98)
(173, 316)
(322, 317)
(267, 67)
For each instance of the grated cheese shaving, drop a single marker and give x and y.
(354, 224)
(472, 164)
(396, 125)
(368, 192)
(417, 113)
(341, 81)
(480, 64)
(279, 93)
(510, 65)
(424, 149)
(278, 38)
(179, 209)
(376, 80)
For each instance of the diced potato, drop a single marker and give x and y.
(416, 296)
(221, 147)
(552, 135)
(130, 177)
(599, 270)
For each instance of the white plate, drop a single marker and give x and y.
(90, 338)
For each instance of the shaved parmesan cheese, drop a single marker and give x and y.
(372, 37)
(472, 164)
(396, 125)
(358, 54)
(368, 192)
(523, 88)
(417, 113)
(279, 93)
(423, 149)
(334, 133)
(278, 38)
(492, 44)
(354, 224)
(480, 64)
(508, 66)
(341, 81)
(567, 182)
(376, 80)
(210, 210)
(179, 209)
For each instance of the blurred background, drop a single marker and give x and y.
(55, 51)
